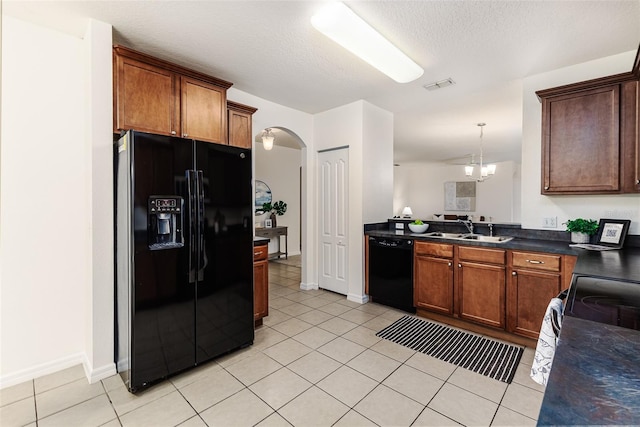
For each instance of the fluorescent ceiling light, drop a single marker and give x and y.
(344, 27)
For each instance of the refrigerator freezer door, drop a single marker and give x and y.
(162, 336)
(224, 303)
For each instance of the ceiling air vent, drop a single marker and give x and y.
(440, 84)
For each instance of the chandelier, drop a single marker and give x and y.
(484, 171)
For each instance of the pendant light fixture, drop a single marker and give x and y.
(343, 26)
(267, 139)
(484, 171)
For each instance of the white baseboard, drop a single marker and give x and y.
(308, 286)
(42, 370)
(93, 375)
(361, 299)
(96, 374)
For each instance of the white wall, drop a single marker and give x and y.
(536, 206)
(272, 115)
(377, 164)
(45, 215)
(279, 168)
(421, 186)
(56, 218)
(99, 319)
(368, 132)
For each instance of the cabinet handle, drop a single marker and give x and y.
(638, 181)
(173, 132)
(459, 265)
(513, 273)
(184, 135)
(257, 253)
(449, 264)
(546, 188)
(533, 261)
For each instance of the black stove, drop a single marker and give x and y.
(603, 300)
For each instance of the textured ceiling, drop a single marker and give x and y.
(269, 49)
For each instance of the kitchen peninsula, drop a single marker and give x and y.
(595, 377)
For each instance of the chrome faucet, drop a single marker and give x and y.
(490, 230)
(468, 223)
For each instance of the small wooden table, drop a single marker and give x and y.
(275, 232)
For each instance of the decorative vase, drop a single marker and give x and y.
(579, 237)
(273, 220)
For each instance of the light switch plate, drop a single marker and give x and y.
(399, 226)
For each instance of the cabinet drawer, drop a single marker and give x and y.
(492, 256)
(260, 252)
(435, 249)
(536, 261)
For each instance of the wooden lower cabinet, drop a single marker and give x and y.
(433, 277)
(528, 294)
(433, 284)
(260, 283)
(497, 292)
(533, 279)
(482, 293)
(481, 285)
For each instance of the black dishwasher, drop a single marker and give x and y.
(391, 272)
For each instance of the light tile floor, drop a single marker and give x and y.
(315, 362)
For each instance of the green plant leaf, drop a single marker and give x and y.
(580, 225)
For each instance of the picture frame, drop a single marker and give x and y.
(612, 232)
(268, 223)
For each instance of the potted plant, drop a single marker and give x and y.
(277, 208)
(581, 229)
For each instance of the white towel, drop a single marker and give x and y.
(547, 340)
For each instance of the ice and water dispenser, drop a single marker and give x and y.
(165, 222)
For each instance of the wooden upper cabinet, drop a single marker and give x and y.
(157, 96)
(240, 124)
(146, 97)
(630, 122)
(581, 142)
(590, 136)
(203, 111)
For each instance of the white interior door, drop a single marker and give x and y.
(333, 220)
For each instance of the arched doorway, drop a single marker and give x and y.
(282, 169)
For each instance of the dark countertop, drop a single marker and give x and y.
(617, 264)
(595, 378)
(523, 244)
(257, 241)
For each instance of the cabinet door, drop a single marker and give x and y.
(630, 124)
(482, 293)
(581, 142)
(145, 98)
(260, 289)
(239, 129)
(204, 111)
(528, 294)
(433, 284)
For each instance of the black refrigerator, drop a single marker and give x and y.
(184, 254)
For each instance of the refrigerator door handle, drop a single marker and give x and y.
(202, 253)
(192, 221)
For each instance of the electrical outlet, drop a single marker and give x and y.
(399, 226)
(550, 222)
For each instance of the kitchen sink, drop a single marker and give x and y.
(492, 239)
(475, 237)
(445, 235)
